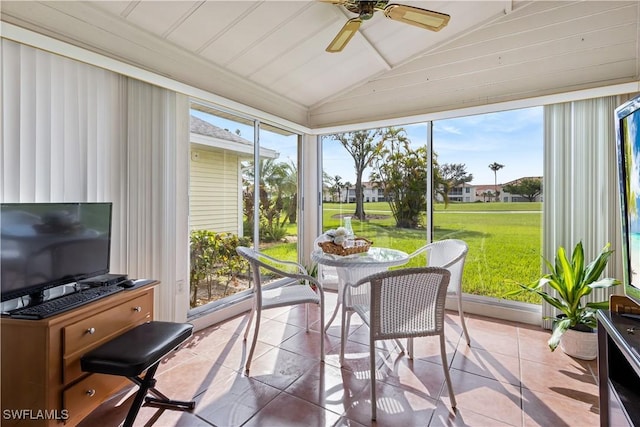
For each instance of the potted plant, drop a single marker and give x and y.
(574, 327)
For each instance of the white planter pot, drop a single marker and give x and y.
(581, 345)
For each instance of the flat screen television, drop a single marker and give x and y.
(44, 245)
(628, 149)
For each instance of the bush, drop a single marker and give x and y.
(214, 260)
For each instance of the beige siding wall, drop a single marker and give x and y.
(214, 197)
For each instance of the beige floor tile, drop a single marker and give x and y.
(507, 377)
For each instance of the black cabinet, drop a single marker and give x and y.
(618, 369)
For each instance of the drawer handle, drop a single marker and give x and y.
(137, 309)
(91, 392)
(91, 331)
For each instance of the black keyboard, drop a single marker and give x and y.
(65, 302)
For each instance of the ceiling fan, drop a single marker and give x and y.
(365, 9)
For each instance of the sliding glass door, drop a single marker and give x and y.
(243, 191)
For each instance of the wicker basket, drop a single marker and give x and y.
(360, 245)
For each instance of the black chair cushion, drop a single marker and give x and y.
(134, 351)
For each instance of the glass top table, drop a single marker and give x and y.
(352, 268)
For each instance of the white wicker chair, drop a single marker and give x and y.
(450, 254)
(404, 303)
(299, 291)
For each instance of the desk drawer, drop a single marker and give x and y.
(82, 398)
(88, 332)
(82, 336)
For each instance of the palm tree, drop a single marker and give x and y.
(347, 185)
(337, 185)
(495, 167)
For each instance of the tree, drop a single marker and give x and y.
(487, 194)
(347, 186)
(495, 167)
(337, 185)
(529, 188)
(363, 148)
(278, 197)
(395, 139)
(403, 176)
(449, 176)
(327, 184)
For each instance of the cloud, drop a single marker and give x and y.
(450, 129)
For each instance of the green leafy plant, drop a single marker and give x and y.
(572, 280)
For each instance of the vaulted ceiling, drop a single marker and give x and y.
(270, 55)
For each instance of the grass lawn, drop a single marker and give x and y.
(505, 240)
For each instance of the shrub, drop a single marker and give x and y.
(214, 260)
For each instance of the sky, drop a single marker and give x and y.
(512, 138)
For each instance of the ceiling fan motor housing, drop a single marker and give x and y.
(422, 18)
(366, 8)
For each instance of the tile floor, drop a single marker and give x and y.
(508, 377)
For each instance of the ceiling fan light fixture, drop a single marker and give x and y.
(346, 33)
(422, 18)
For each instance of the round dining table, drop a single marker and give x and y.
(351, 268)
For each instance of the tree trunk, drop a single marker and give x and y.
(359, 213)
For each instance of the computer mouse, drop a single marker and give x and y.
(127, 283)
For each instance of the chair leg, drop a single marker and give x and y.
(246, 330)
(410, 348)
(344, 333)
(333, 316)
(338, 304)
(464, 325)
(445, 366)
(372, 368)
(255, 339)
(321, 329)
(306, 316)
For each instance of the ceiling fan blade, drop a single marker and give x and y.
(344, 35)
(423, 18)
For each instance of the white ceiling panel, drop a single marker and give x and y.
(270, 54)
(115, 7)
(274, 48)
(254, 26)
(207, 23)
(161, 20)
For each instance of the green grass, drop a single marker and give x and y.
(505, 240)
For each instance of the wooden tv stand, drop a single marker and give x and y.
(619, 365)
(42, 383)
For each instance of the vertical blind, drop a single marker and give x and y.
(581, 184)
(76, 132)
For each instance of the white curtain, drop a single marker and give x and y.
(157, 206)
(75, 132)
(581, 184)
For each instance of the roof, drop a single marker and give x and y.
(206, 134)
(202, 127)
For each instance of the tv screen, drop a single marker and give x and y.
(628, 148)
(43, 245)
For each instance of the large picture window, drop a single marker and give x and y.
(480, 181)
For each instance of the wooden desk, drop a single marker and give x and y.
(42, 383)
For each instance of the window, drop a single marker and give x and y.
(223, 209)
(475, 159)
(492, 153)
